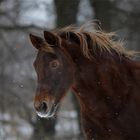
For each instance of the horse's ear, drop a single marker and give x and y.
(51, 38)
(36, 41)
(70, 36)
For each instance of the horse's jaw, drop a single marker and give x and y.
(50, 113)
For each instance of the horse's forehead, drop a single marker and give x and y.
(42, 54)
(39, 57)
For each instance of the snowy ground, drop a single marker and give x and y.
(15, 128)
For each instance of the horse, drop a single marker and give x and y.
(104, 76)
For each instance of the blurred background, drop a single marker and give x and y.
(18, 18)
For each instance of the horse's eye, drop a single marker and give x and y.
(54, 64)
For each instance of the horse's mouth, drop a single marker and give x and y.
(50, 113)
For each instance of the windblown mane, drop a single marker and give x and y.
(90, 42)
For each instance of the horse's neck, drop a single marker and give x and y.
(107, 82)
(106, 77)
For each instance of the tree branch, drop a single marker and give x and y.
(24, 28)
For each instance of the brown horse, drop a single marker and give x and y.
(103, 75)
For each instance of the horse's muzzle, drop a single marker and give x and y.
(45, 110)
(42, 107)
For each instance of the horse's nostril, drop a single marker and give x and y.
(43, 107)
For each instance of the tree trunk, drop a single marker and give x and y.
(103, 12)
(44, 129)
(66, 11)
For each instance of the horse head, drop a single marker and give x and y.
(54, 73)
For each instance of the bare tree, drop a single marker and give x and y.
(13, 36)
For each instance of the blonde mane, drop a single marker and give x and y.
(88, 40)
